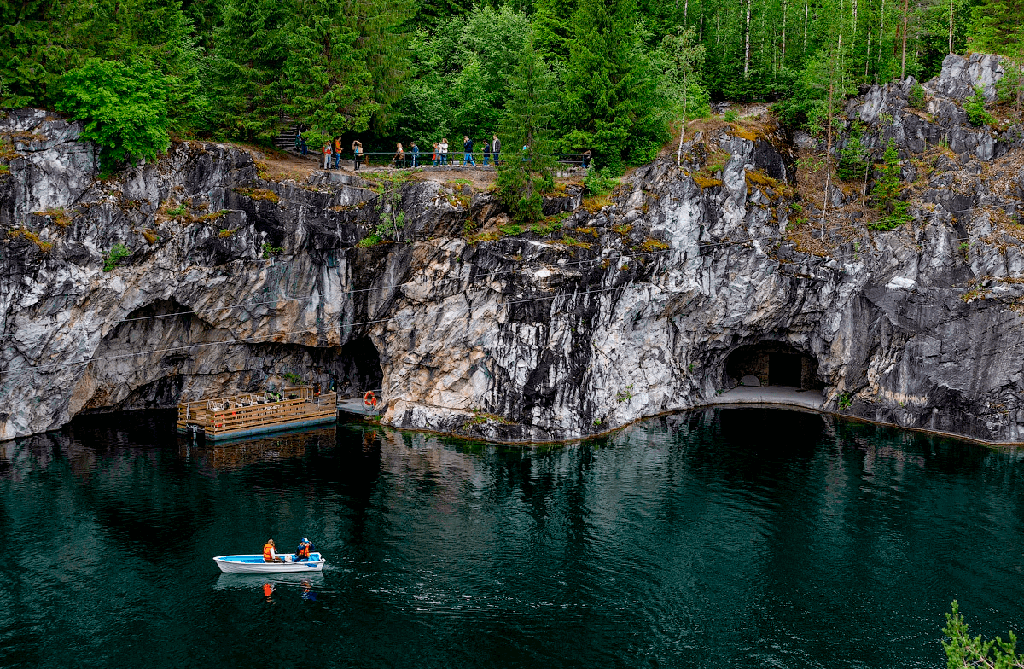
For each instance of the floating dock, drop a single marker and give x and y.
(253, 414)
(358, 407)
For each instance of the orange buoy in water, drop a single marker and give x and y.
(369, 399)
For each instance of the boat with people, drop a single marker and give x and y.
(305, 559)
(254, 564)
(250, 414)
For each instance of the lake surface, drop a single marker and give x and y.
(724, 538)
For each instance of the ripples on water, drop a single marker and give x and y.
(729, 538)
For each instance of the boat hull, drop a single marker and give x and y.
(254, 564)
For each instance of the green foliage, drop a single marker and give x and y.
(117, 253)
(598, 182)
(610, 98)
(679, 59)
(250, 46)
(886, 192)
(370, 241)
(997, 27)
(1011, 87)
(962, 650)
(547, 226)
(124, 108)
(916, 97)
(853, 164)
(975, 108)
(268, 250)
(731, 116)
(807, 105)
(524, 173)
(845, 401)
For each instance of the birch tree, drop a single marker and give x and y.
(684, 57)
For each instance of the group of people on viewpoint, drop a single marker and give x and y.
(331, 152)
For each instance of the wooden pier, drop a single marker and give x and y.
(254, 413)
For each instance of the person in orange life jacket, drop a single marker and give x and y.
(327, 155)
(269, 553)
(302, 552)
(337, 153)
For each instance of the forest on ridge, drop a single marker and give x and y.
(614, 76)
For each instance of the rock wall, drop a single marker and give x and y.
(609, 312)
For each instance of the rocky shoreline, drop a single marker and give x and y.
(648, 301)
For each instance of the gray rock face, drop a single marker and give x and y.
(234, 283)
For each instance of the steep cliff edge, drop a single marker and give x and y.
(653, 300)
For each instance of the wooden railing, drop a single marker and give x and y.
(218, 416)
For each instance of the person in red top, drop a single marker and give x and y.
(302, 552)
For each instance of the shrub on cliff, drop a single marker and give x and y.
(886, 193)
(975, 108)
(124, 108)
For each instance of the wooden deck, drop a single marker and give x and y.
(252, 414)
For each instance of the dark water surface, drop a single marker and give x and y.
(728, 538)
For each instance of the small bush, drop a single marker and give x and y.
(916, 97)
(118, 252)
(180, 210)
(731, 116)
(369, 241)
(886, 192)
(511, 229)
(598, 182)
(268, 250)
(852, 165)
(259, 194)
(544, 228)
(975, 108)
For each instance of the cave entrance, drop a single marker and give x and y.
(358, 368)
(773, 363)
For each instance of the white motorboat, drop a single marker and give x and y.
(254, 564)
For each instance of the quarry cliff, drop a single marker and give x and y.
(655, 298)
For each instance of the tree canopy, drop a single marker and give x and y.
(623, 71)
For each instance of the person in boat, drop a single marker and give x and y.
(269, 552)
(302, 552)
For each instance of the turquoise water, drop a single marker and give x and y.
(728, 538)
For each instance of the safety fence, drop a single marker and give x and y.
(451, 159)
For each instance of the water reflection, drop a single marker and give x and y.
(713, 538)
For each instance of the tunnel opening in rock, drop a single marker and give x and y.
(358, 368)
(773, 363)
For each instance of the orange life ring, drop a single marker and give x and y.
(369, 399)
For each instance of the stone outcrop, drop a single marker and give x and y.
(605, 313)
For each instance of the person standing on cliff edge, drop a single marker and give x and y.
(496, 149)
(357, 150)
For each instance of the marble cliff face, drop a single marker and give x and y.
(611, 311)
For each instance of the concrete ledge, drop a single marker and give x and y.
(807, 399)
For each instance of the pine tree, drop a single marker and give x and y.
(996, 27)
(245, 70)
(325, 84)
(527, 124)
(609, 99)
